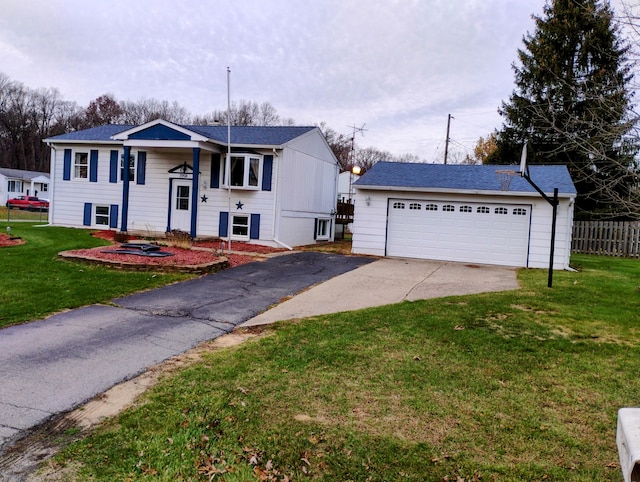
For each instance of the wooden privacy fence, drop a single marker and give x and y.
(613, 238)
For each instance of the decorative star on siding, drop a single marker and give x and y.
(239, 205)
(204, 198)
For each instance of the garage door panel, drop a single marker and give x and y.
(470, 232)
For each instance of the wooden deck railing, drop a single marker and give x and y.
(344, 212)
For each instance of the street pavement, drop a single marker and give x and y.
(53, 365)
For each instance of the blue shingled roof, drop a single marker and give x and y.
(240, 135)
(462, 177)
(100, 133)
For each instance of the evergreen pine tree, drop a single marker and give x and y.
(572, 105)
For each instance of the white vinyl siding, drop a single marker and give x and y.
(372, 222)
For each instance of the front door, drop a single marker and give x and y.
(181, 205)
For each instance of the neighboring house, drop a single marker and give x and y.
(283, 181)
(16, 182)
(459, 213)
(345, 185)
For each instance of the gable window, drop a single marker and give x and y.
(245, 171)
(240, 226)
(81, 165)
(323, 229)
(15, 186)
(102, 216)
(132, 168)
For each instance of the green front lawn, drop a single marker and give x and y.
(35, 282)
(512, 386)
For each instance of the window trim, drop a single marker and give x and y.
(133, 166)
(16, 183)
(247, 179)
(323, 229)
(77, 167)
(107, 216)
(246, 226)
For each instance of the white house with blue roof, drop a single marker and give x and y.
(461, 213)
(18, 182)
(283, 181)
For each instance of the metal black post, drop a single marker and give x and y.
(554, 203)
(553, 235)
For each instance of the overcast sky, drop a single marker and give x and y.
(397, 66)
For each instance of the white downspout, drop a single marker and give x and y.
(52, 182)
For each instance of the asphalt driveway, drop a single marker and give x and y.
(54, 365)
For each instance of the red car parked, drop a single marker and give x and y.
(31, 203)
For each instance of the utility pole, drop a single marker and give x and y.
(446, 142)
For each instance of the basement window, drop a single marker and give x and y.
(323, 230)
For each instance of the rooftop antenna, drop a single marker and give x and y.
(361, 130)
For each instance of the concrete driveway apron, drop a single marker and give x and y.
(53, 365)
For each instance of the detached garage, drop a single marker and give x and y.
(460, 213)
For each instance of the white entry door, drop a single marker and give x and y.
(181, 205)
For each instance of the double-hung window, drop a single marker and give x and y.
(102, 215)
(81, 165)
(244, 170)
(240, 226)
(132, 168)
(15, 186)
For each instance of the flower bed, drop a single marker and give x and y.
(199, 259)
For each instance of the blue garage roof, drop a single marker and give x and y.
(240, 135)
(415, 176)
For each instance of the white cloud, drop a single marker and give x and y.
(399, 66)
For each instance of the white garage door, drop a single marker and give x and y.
(459, 231)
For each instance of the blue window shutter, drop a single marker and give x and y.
(113, 216)
(215, 171)
(93, 166)
(87, 214)
(141, 168)
(66, 168)
(267, 170)
(113, 167)
(254, 227)
(224, 224)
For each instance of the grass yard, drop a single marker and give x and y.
(35, 283)
(9, 215)
(512, 386)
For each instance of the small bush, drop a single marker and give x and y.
(179, 239)
(120, 237)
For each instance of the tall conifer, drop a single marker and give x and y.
(572, 105)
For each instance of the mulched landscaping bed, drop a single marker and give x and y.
(6, 240)
(202, 258)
